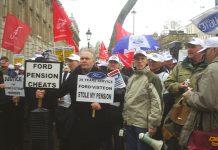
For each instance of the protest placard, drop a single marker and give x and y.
(95, 90)
(14, 85)
(43, 74)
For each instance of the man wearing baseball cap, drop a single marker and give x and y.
(203, 100)
(168, 62)
(137, 114)
(73, 61)
(183, 75)
(210, 49)
(113, 112)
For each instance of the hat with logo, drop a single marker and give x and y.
(209, 43)
(167, 57)
(74, 57)
(139, 51)
(196, 41)
(103, 64)
(156, 57)
(114, 58)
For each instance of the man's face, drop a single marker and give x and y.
(86, 60)
(113, 65)
(154, 65)
(140, 62)
(193, 52)
(72, 64)
(168, 63)
(210, 54)
(4, 64)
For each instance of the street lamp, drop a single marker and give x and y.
(133, 26)
(88, 34)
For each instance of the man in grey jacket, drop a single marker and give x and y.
(204, 100)
(142, 105)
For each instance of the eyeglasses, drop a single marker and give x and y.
(85, 58)
(140, 58)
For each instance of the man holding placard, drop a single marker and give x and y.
(11, 108)
(86, 94)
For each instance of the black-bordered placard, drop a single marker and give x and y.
(43, 74)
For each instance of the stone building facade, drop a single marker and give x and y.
(38, 14)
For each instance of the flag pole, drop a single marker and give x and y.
(1, 52)
(53, 48)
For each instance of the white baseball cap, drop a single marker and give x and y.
(22, 68)
(10, 66)
(18, 64)
(74, 57)
(139, 51)
(167, 57)
(156, 57)
(196, 41)
(115, 58)
(103, 64)
(209, 43)
(174, 61)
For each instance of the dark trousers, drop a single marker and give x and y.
(64, 127)
(173, 144)
(112, 123)
(132, 140)
(74, 133)
(11, 126)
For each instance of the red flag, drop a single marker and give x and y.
(126, 58)
(61, 23)
(71, 42)
(103, 51)
(15, 34)
(120, 32)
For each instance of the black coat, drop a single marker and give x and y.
(86, 128)
(3, 98)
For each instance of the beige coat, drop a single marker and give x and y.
(142, 106)
(203, 102)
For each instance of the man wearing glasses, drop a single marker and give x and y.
(142, 106)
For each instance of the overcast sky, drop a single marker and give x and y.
(151, 15)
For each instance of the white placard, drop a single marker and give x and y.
(95, 90)
(43, 74)
(14, 85)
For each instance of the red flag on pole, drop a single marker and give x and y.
(120, 32)
(15, 34)
(61, 23)
(103, 51)
(71, 42)
(126, 58)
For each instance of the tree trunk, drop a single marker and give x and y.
(122, 16)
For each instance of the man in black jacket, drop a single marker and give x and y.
(11, 115)
(113, 112)
(85, 130)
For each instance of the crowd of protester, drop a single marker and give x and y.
(153, 85)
